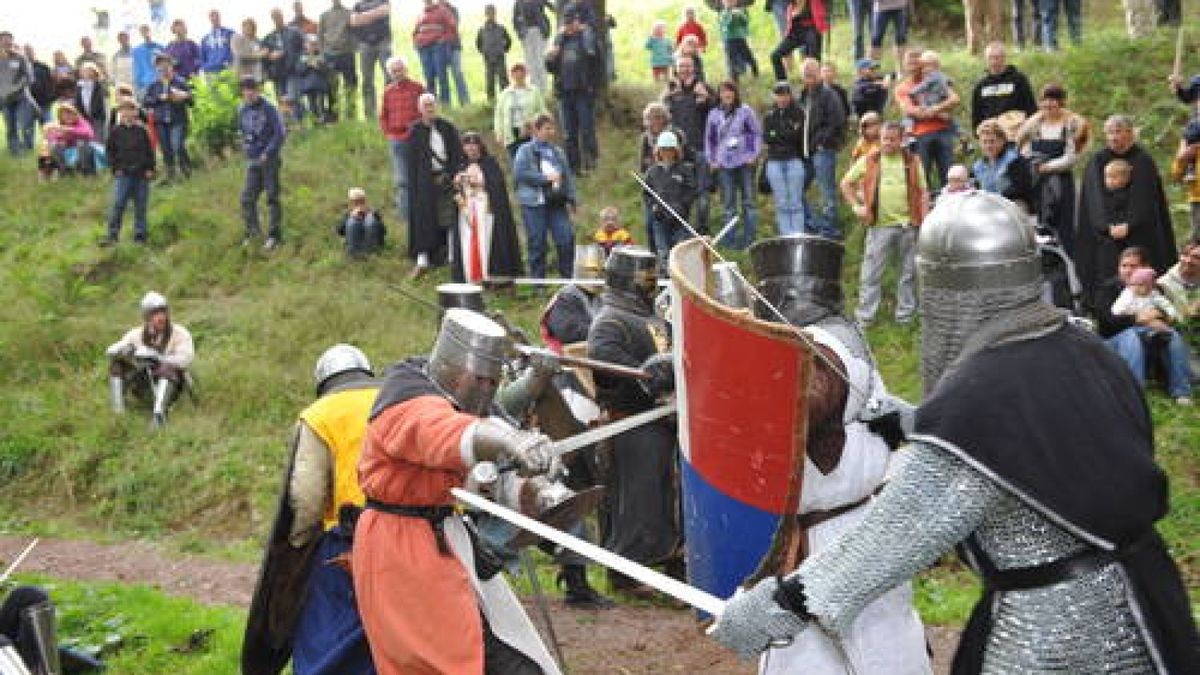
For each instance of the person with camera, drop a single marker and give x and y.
(546, 191)
(151, 359)
(434, 157)
(732, 141)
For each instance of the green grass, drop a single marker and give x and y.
(208, 483)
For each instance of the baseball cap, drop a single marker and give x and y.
(866, 63)
(781, 87)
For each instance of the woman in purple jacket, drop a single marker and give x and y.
(732, 141)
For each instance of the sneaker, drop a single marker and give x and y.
(271, 244)
(1184, 401)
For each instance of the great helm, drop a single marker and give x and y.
(632, 269)
(589, 261)
(978, 259)
(468, 359)
(801, 276)
(152, 302)
(466, 296)
(338, 359)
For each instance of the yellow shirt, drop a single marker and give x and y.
(893, 191)
(340, 420)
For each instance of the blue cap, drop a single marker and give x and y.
(866, 63)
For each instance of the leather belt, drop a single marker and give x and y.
(1057, 571)
(809, 520)
(435, 515)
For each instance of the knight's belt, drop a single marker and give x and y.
(1057, 571)
(811, 519)
(435, 515)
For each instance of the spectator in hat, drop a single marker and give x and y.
(674, 183)
(783, 134)
(870, 91)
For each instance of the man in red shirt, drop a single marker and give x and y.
(691, 26)
(396, 118)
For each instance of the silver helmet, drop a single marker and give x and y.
(467, 296)
(338, 359)
(632, 270)
(978, 259)
(468, 359)
(729, 286)
(799, 275)
(589, 261)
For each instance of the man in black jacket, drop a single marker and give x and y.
(824, 133)
(283, 63)
(783, 131)
(689, 99)
(533, 29)
(131, 157)
(577, 62)
(1003, 88)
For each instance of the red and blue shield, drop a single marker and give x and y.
(741, 385)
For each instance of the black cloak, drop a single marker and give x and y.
(1150, 227)
(426, 232)
(504, 257)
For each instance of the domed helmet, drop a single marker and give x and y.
(338, 359)
(468, 359)
(152, 302)
(633, 271)
(978, 260)
(799, 275)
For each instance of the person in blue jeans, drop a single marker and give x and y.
(577, 63)
(824, 134)
(131, 157)
(16, 75)
(263, 133)
(894, 12)
(1074, 12)
(783, 134)
(860, 20)
(546, 191)
(732, 141)
(169, 99)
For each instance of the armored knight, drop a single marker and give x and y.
(1032, 452)
(641, 518)
(151, 359)
(569, 314)
(313, 530)
(847, 456)
(430, 603)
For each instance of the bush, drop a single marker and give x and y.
(214, 117)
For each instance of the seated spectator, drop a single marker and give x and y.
(870, 91)
(1130, 334)
(151, 359)
(361, 226)
(869, 125)
(1000, 168)
(611, 233)
(1181, 285)
(67, 146)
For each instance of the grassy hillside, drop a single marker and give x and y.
(67, 465)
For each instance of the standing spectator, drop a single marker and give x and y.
(286, 45)
(655, 120)
(1050, 140)
(985, 22)
(690, 48)
(337, 45)
(894, 12)
(931, 126)
(144, 72)
(1183, 170)
(314, 81)
(62, 69)
(216, 53)
(1074, 12)
(1169, 12)
(690, 26)
(90, 55)
(263, 133)
(806, 22)
(577, 65)
(546, 191)
(15, 77)
(361, 226)
(689, 99)
(1149, 221)
(430, 37)
(486, 247)
(869, 127)
(371, 24)
(673, 181)
(92, 100)
(184, 51)
(829, 77)
(493, 43)
(168, 100)
(870, 92)
(300, 22)
(434, 157)
(860, 23)
(122, 62)
(824, 134)
(1139, 18)
(454, 58)
(516, 109)
(131, 158)
(1001, 168)
(533, 29)
(399, 112)
(779, 12)
(783, 134)
(1003, 88)
(1031, 27)
(662, 57)
(41, 88)
(248, 53)
(887, 193)
(732, 140)
(735, 30)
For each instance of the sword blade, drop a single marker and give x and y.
(18, 560)
(695, 597)
(535, 281)
(595, 435)
(584, 362)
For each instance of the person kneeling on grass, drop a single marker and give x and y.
(151, 359)
(131, 155)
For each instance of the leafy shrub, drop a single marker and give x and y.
(214, 116)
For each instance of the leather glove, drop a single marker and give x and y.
(891, 418)
(530, 451)
(753, 621)
(661, 368)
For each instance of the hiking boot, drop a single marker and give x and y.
(271, 244)
(578, 593)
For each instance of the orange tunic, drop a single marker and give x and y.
(417, 604)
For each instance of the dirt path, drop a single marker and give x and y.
(622, 640)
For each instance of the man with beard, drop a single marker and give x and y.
(642, 521)
(1033, 453)
(303, 607)
(1149, 224)
(852, 422)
